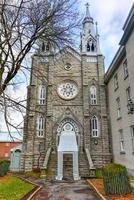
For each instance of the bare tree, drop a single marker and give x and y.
(22, 24)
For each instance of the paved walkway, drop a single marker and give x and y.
(66, 191)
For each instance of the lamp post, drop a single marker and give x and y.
(130, 106)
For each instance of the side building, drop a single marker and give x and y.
(7, 142)
(120, 89)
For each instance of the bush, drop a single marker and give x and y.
(4, 167)
(99, 173)
(116, 180)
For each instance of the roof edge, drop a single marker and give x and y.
(114, 64)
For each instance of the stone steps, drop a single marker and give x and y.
(68, 166)
(83, 165)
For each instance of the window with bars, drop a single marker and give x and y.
(118, 108)
(94, 126)
(42, 94)
(40, 126)
(125, 69)
(122, 143)
(116, 85)
(93, 95)
(132, 136)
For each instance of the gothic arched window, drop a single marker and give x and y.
(40, 126)
(93, 95)
(45, 46)
(42, 94)
(94, 126)
(48, 47)
(91, 45)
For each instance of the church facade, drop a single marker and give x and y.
(66, 124)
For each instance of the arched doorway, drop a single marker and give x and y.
(68, 143)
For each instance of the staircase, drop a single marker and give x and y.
(83, 165)
(52, 166)
(84, 168)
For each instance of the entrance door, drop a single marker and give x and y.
(67, 145)
(67, 166)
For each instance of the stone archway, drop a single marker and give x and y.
(68, 143)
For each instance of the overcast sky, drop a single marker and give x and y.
(110, 15)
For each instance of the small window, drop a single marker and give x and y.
(116, 82)
(128, 95)
(94, 126)
(68, 66)
(125, 69)
(40, 126)
(122, 144)
(93, 96)
(132, 136)
(42, 95)
(118, 108)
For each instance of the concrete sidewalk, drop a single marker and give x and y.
(79, 190)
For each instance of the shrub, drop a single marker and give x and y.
(4, 167)
(116, 180)
(99, 173)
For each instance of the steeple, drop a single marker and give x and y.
(87, 10)
(97, 38)
(88, 17)
(89, 38)
(88, 24)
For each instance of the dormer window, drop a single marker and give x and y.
(91, 46)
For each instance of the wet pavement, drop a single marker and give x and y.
(79, 190)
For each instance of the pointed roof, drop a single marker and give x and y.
(87, 10)
(88, 17)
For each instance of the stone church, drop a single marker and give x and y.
(66, 124)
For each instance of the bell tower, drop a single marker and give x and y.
(89, 36)
(95, 121)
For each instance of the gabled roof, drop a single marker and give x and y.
(15, 136)
(70, 50)
(115, 63)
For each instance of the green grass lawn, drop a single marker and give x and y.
(12, 188)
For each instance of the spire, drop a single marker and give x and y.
(87, 10)
(88, 17)
(96, 28)
(97, 38)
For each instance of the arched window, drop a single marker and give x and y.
(45, 46)
(93, 95)
(91, 45)
(40, 126)
(42, 94)
(94, 126)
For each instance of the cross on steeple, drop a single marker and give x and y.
(87, 10)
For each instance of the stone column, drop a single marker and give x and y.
(75, 166)
(60, 166)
